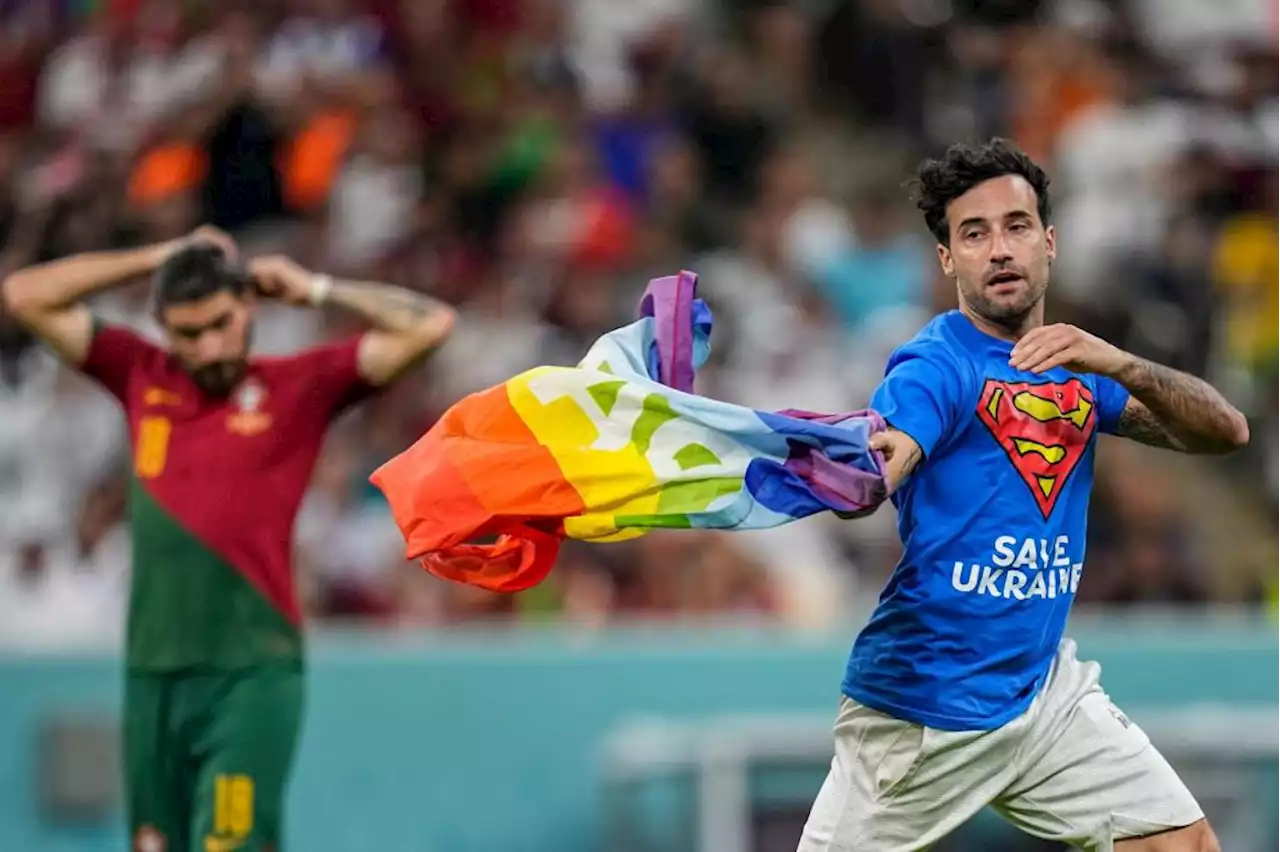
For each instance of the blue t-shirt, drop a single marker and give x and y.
(992, 524)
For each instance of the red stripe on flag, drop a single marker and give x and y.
(480, 472)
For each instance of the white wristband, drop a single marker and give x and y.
(321, 285)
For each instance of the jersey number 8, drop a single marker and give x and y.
(152, 450)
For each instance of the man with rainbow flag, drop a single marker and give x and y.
(962, 691)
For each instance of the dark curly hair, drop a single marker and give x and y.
(938, 182)
(196, 273)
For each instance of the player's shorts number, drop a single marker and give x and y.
(152, 451)
(232, 806)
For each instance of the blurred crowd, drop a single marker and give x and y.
(535, 162)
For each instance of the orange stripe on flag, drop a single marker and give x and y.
(488, 476)
(503, 463)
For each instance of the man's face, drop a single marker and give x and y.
(211, 339)
(1000, 251)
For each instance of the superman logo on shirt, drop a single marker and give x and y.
(1043, 428)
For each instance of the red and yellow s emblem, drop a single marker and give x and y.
(1044, 429)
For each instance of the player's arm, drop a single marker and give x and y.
(1165, 408)
(48, 299)
(406, 326)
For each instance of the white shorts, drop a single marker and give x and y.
(1071, 769)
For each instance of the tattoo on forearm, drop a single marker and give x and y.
(385, 306)
(900, 465)
(913, 458)
(1137, 423)
(1177, 411)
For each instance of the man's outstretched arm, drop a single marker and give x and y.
(902, 455)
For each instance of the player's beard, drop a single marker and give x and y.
(1010, 313)
(220, 378)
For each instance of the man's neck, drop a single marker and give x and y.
(1013, 331)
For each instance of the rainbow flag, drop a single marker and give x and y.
(612, 448)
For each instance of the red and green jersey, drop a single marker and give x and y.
(216, 488)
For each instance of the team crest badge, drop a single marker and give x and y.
(148, 839)
(249, 418)
(1043, 428)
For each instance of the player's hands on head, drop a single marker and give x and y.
(1062, 345)
(282, 279)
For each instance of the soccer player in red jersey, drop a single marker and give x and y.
(223, 448)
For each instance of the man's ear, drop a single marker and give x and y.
(1051, 243)
(945, 261)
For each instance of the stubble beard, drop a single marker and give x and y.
(1011, 315)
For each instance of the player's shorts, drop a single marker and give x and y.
(208, 758)
(1071, 769)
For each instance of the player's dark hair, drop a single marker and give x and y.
(940, 181)
(195, 273)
